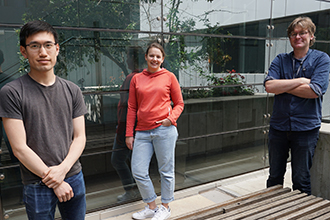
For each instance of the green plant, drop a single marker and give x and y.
(196, 93)
(230, 84)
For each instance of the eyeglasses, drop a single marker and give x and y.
(301, 34)
(36, 46)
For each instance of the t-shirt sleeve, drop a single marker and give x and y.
(10, 103)
(79, 106)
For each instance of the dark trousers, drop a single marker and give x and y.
(119, 160)
(302, 145)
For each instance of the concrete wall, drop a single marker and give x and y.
(320, 175)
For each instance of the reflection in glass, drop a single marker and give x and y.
(217, 50)
(121, 154)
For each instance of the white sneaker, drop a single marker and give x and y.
(162, 213)
(145, 213)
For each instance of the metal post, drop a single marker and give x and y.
(2, 214)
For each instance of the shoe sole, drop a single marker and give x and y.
(169, 215)
(141, 218)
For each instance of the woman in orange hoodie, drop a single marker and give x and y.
(150, 96)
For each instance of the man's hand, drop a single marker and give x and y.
(54, 177)
(63, 192)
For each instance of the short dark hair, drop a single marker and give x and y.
(156, 45)
(1, 57)
(33, 27)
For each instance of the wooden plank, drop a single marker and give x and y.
(301, 213)
(273, 195)
(248, 206)
(316, 214)
(254, 210)
(271, 200)
(285, 208)
(294, 208)
(262, 199)
(258, 207)
(323, 217)
(218, 208)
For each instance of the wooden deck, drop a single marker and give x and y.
(272, 203)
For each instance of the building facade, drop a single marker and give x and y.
(220, 52)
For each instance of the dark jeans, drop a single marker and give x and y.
(302, 145)
(119, 160)
(40, 201)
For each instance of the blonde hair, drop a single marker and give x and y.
(304, 23)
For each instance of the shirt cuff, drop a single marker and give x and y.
(268, 78)
(316, 89)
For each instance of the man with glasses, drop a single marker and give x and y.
(299, 80)
(43, 116)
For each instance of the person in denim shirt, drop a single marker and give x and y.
(299, 80)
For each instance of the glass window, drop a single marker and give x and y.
(218, 50)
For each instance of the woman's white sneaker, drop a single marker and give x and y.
(162, 213)
(145, 213)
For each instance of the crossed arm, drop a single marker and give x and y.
(53, 177)
(298, 87)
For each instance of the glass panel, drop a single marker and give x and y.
(151, 17)
(11, 11)
(80, 13)
(225, 65)
(105, 64)
(285, 8)
(219, 51)
(326, 98)
(213, 142)
(222, 125)
(285, 11)
(9, 53)
(244, 18)
(10, 182)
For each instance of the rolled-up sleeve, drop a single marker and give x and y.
(268, 78)
(320, 78)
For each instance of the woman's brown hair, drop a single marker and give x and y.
(156, 45)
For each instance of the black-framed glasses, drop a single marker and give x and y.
(36, 46)
(301, 34)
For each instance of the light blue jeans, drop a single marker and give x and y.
(162, 141)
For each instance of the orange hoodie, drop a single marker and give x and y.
(150, 97)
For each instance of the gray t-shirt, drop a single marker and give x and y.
(47, 113)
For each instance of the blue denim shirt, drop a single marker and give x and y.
(290, 112)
